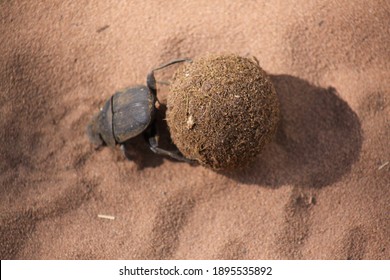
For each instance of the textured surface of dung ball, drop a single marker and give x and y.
(222, 110)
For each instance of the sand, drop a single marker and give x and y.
(320, 189)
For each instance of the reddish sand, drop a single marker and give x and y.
(320, 190)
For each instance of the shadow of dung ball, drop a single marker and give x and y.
(222, 110)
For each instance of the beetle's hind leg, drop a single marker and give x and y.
(165, 83)
(152, 139)
(154, 147)
(151, 80)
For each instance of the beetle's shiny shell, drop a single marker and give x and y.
(132, 112)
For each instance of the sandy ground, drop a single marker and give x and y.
(320, 190)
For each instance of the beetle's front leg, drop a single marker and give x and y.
(126, 153)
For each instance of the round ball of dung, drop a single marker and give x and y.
(222, 110)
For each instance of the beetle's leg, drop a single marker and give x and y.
(153, 142)
(174, 61)
(123, 148)
(152, 138)
(151, 80)
(165, 83)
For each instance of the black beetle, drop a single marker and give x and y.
(129, 113)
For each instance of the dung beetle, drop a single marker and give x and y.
(129, 113)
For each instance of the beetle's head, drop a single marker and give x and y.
(93, 132)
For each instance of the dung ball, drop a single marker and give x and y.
(222, 110)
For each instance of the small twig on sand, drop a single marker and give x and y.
(106, 217)
(383, 165)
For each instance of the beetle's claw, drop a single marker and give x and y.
(124, 151)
